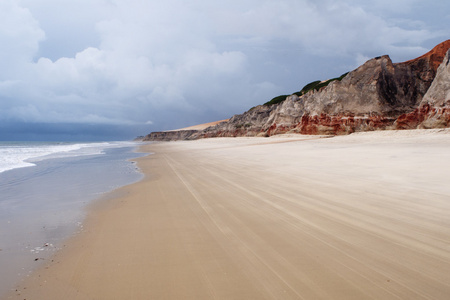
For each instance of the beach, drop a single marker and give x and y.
(363, 216)
(44, 190)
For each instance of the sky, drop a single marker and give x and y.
(117, 69)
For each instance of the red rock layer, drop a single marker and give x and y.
(333, 124)
(339, 124)
(425, 116)
(434, 56)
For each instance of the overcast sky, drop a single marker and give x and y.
(116, 69)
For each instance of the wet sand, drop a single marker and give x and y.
(364, 216)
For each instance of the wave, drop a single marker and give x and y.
(26, 154)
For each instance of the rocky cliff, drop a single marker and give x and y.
(173, 135)
(377, 95)
(434, 109)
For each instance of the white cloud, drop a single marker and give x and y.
(20, 35)
(361, 59)
(324, 27)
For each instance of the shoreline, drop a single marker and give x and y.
(44, 205)
(349, 217)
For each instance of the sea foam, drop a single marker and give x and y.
(26, 154)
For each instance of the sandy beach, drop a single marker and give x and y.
(364, 216)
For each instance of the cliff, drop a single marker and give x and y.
(173, 135)
(179, 134)
(378, 95)
(434, 109)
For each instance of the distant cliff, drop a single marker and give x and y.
(377, 95)
(179, 134)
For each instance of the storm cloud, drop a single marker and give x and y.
(117, 69)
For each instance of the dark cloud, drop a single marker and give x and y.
(22, 131)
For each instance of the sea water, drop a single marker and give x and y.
(44, 188)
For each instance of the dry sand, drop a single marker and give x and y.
(201, 126)
(365, 216)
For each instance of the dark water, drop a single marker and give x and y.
(41, 206)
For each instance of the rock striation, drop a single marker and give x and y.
(173, 135)
(178, 134)
(434, 109)
(378, 95)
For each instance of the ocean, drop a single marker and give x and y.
(44, 189)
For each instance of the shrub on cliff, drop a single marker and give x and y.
(307, 88)
(276, 100)
(315, 85)
(325, 83)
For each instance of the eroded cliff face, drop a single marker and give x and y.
(174, 135)
(371, 97)
(434, 109)
(377, 95)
